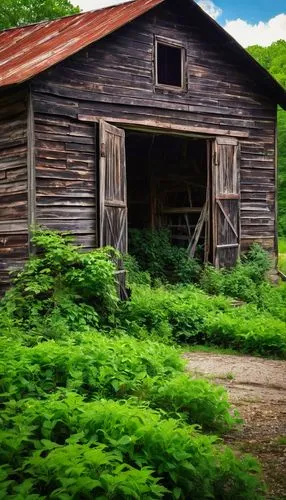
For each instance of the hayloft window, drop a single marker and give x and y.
(169, 64)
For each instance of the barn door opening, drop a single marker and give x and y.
(226, 202)
(168, 188)
(113, 225)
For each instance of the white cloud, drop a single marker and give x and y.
(96, 4)
(263, 33)
(213, 10)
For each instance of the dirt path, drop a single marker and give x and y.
(257, 388)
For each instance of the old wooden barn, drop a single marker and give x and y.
(145, 114)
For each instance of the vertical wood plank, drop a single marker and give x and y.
(112, 187)
(208, 198)
(226, 202)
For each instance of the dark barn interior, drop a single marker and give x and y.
(167, 187)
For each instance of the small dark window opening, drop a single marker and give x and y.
(169, 65)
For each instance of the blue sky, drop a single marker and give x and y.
(251, 10)
(250, 22)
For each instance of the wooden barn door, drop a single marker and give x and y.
(226, 202)
(113, 227)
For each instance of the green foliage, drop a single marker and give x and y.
(282, 255)
(273, 58)
(134, 274)
(91, 472)
(282, 263)
(195, 317)
(88, 414)
(248, 281)
(242, 281)
(189, 398)
(70, 447)
(18, 12)
(282, 245)
(247, 330)
(62, 287)
(96, 366)
(156, 255)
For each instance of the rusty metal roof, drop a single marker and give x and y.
(28, 50)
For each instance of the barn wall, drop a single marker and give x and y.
(114, 78)
(65, 175)
(13, 182)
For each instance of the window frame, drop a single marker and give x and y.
(159, 40)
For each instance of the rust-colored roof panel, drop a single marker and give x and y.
(27, 51)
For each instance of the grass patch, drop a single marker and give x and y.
(282, 256)
(210, 349)
(282, 245)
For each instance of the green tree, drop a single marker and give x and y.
(18, 12)
(273, 58)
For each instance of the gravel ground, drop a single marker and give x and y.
(257, 388)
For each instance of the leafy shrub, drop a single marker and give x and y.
(155, 254)
(61, 286)
(88, 472)
(249, 333)
(197, 400)
(134, 274)
(248, 281)
(241, 281)
(71, 447)
(182, 309)
(195, 317)
(113, 368)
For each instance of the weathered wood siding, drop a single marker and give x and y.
(13, 182)
(114, 78)
(65, 172)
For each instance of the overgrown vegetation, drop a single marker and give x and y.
(61, 287)
(156, 255)
(70, 448)
(248, 281)
(189, 315)
(94, 412)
